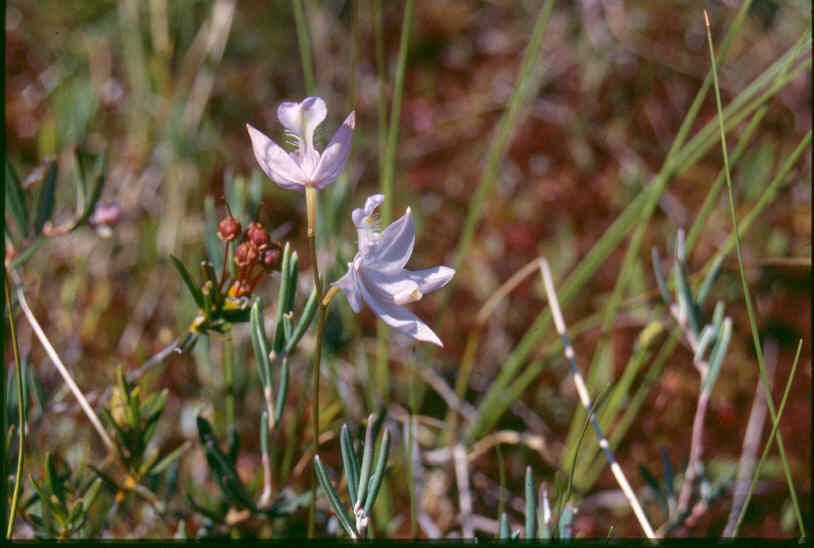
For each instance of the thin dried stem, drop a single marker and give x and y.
(585, 398)
(55, 359)
(464, 493)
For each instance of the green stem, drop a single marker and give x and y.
(387, 178)
(305, 46)
(229, 381)
(20, 413)
(311, 210)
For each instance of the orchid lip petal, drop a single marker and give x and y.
(333, 158)
(275, 162)
(360, 215)
(302, 118)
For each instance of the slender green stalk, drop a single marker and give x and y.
(18, 476)
(229, 381)
(756, 473)
(387, 178)
(311, 211)
(304, 42)
(745, 286)
(500, 139)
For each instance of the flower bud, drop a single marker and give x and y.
(105, 214)
(229, 229)
(246, 254)
(258, 235)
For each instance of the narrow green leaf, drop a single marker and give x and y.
(308, 313)
(222, 467)
(367, 461)
(503, 530)
(566, 525)
(27, 253)
(16, 200)
(187, 278)
(333, 498)
(665, 295)
(171, 457)
(279, 335)
(45, 199)
(349, 461)
(717, 356)
(656, 486)
(378, 474)
(531, 506)
(708, 335)
(260, 344)
(714, 270)
(282, 391)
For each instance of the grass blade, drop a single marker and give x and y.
(745, 286)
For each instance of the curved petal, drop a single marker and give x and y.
(430, 279)
(399, 318)
(371, 205)
(276, 162)
(302, 118)
(349, 286)
(395, 244)
(333, 158)
(394, 286)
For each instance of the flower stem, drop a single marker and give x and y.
(20, 412)
(311, 212)
(229, 381)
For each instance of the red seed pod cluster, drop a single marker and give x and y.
(255, 250)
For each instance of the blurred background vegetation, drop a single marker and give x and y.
(166, 88)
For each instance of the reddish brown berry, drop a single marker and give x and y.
(229, 229)
(246, 254)
(257, 235)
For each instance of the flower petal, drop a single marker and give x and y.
(302, 118)
(399, 318)
(333, 158)
(276, 162)
(393, 286)
(359, 215)
(395, 244)
(349, 286)
(430, 279)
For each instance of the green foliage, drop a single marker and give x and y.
(363, 487)
(59, 509)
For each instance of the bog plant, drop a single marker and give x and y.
(230, 306)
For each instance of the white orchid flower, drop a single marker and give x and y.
(378, 277)
(305, 167)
